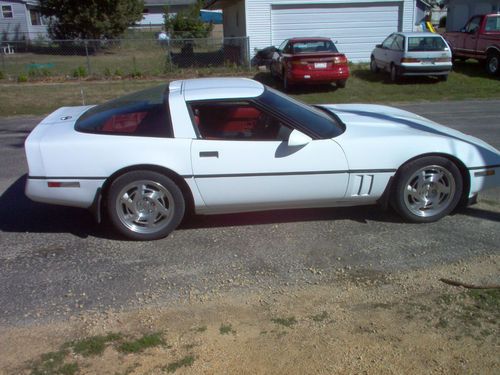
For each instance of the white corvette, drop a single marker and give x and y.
(224, 145)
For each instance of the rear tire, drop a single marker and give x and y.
(341, 83)
(373, 65)
(427, 189)
(394, 73)
(493, 63)
(287, 86)
(145, 205)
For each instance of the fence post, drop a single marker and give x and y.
(88, 58)
(249, 59)
(3, 63)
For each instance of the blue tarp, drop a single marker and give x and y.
(208, 16)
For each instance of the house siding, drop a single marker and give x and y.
(235, 19)
(459, 11)
(258, 17)
(15, 28)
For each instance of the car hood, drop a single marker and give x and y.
(372, 121)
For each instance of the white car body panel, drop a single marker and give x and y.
(268, 174)
(353, 168)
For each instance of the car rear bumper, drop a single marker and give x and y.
(77, 192)
(425, 69)
(318, 76)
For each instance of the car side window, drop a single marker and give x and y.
(283, 45)
(237, 120)
(473, 25)
(492, 23)
(388, 42)
(288, 48)
(398, 44)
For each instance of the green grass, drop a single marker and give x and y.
(226, 329)
(141, 344)
(53, 364)
(184, 362)
(286, 322)
(93, 345)
(320, 317)
(467, 82)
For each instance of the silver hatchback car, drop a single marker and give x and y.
(412, 54)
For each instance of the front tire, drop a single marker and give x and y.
(373, 65)
(145, 205)
(493, 63)
(427, 189)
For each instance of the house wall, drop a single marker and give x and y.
(235, 19)
(459, 11)
(258, 17)
(17, 27)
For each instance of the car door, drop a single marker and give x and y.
(278, 58)
(242, 160)
(384, 52)
(396, 50)
(471, 35)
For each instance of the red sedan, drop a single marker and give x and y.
(309, 60)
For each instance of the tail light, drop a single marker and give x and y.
(299, 62)
(409, 60)
(340, 60)
(443, 59)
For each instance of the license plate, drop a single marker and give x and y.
(320, 65)
(429, 61)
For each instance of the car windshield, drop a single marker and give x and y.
(140, 113)
(311, 46)
(426, 43)
(320, 124)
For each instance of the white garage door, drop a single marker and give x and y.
(357, 29)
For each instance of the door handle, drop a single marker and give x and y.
(209, 154)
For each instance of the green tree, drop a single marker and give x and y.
(90, 19)
(187, 24)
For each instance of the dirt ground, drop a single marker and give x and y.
(407, 323)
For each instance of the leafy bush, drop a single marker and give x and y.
(22, 78)
(187, 24)
(80, 72)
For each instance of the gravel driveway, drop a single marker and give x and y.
(55, 262)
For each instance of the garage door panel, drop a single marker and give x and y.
(357, 29)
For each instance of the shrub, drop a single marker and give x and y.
(1, 75)
(80, 72)
(22, 78)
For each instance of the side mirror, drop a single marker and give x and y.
(378, 46)
(297, 139)
(462, 30)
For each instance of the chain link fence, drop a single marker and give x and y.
(119, 57)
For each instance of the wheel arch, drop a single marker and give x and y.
(179, 181)
(492, 49)
(464, 172)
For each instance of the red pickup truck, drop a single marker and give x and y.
(478, 39)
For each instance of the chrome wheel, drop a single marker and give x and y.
(145, 206)
(429, 191)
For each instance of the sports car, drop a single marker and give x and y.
(224, 145)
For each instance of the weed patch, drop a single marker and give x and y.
(320, 317)
(53, 363)
(94, 345)
(184, 362)
(141, 344)
(226, 329)
(286, 322)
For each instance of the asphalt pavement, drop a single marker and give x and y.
(55, 262)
